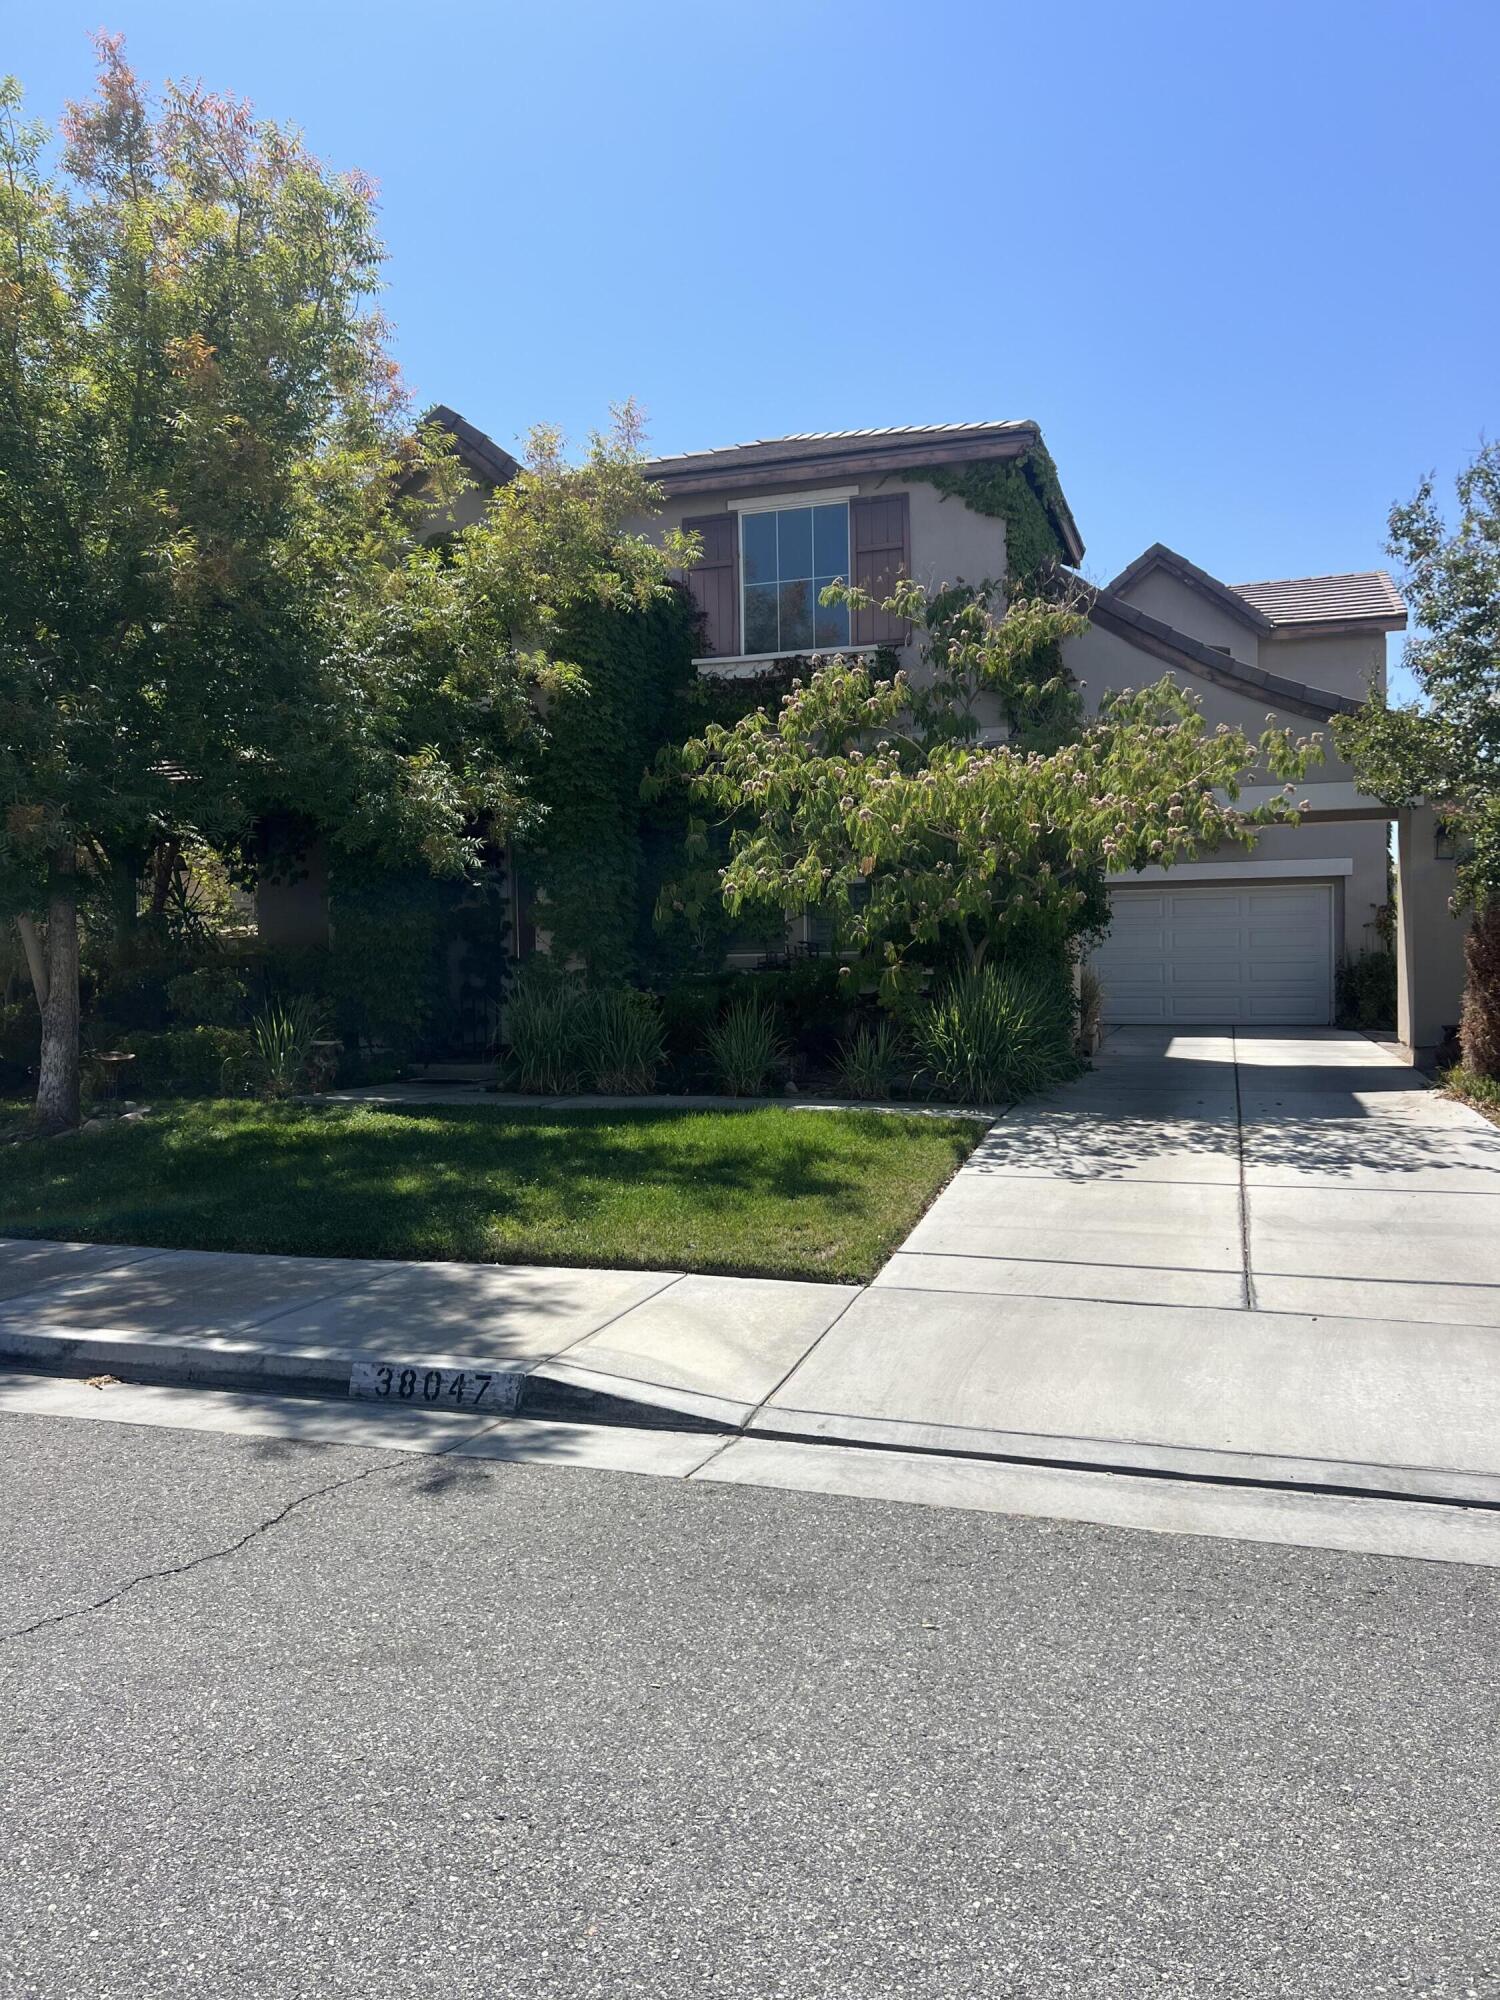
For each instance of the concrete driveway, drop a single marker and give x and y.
(1283, 1247)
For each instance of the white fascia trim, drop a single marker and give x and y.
(740, 666)
(1337, 795)
(1238, 871)
(770, 503)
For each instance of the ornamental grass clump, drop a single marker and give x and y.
(997, 1032)
(744, 1048)
(869, 1062)
(282, 1039)
(623, 1041)
(547, 1024)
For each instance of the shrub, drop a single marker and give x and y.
(868, 1062)
(744, 1048)
(283, 1059)
(547, 1023)
(623, 1041)
(188, 1062)
(1365, 991)
(688, 1011)
(1479, 1032)
(20, 1039)
(210, 996)
(998, 1032)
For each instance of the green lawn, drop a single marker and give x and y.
(765, 1192)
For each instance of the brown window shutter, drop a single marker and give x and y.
(879, 556)
(714, 581)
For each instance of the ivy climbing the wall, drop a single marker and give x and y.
(1024, 493)
(584, 863)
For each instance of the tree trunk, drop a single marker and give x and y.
(36, 959)
(165, 867)
(57, 1088)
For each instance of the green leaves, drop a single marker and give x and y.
(882, 802)
(1445, 749)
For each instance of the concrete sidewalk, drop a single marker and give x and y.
(704, 1349)
(1235, 1257)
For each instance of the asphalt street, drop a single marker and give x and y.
(307, 1722)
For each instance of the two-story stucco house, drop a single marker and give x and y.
(1251, 936)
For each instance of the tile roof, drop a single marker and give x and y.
(1316, 600)
(771, 451)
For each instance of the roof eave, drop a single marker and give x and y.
(1335, 628)
(810, 468)
(740, 469)
(1138, 628)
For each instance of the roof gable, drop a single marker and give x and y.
(1149, 635)
(1159, 556)
(479, 453)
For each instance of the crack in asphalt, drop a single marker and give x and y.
(398, 1464)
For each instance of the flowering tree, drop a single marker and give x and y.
(872, 799)
(215, 601)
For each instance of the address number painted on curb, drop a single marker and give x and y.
(420, 1387)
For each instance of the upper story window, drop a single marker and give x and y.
(763, 569)
(788, 558)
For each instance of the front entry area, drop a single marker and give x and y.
(1219, 952)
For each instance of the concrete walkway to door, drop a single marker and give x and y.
(1277, 1245)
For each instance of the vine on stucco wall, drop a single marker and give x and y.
(584, 863)
(1021, 492)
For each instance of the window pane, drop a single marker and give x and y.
(760, 548)
(760, 618)
(794, 528)
(796, 616)
(831, 541)
(831, 620)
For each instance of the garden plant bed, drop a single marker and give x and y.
(770, 1192)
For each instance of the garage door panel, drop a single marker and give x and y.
(1197, 954)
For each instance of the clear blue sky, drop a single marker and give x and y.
(1239, 261)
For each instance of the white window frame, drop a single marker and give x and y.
(786, 503)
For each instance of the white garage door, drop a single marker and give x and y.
(1218, 952)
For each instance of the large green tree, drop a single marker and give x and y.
(876, 800)
(1444, 748)
(218, 598)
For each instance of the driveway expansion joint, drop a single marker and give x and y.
(1239, 1134)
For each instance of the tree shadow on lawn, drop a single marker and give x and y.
(467, 1182)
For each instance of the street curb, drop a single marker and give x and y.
(576, 1396)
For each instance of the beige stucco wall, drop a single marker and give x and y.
(1429, 938)
(1350, 665)
(1104, 662)
(949, 541)
(1192, 611)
